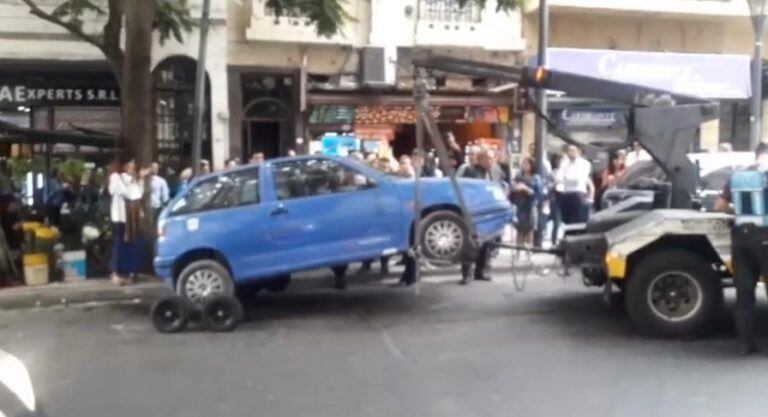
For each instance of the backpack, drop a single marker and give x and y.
(749, 196)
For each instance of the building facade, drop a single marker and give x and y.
(273, 84)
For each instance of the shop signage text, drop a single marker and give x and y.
(714, 76)
(589, 118)
(21, 94)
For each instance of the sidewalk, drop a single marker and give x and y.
(78, 292)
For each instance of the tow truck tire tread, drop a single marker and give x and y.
(640, 310)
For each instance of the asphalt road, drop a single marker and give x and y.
(482, 350)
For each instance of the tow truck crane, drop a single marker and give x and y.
(670, 262)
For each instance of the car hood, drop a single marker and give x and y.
(479, 195)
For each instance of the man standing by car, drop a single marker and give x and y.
(574, 182)
(159, 192)
(484, 168)
(749, 254)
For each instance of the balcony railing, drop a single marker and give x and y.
(449, 11)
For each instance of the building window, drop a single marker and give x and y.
(449, 11)
(174, 81)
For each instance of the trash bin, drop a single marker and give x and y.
(36, 269)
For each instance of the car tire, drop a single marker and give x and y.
(673, 293)
(171, 314)
(444, 237)
(203, 279)
(222, 313)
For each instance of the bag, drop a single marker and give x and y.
(749, 195)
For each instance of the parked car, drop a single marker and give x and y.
(642, 180)
(292, 214)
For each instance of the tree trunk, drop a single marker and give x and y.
(136, 100)
(136, 84)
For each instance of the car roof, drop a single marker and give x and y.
(269, 161)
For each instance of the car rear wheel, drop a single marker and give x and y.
(673, 293)
(444, 237)
(201, 280)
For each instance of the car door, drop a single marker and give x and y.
(326, 212)
(225, 213)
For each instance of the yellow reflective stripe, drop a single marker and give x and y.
(615, 266)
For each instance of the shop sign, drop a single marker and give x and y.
(715, 76)
(22, 94)
(590, 118)
(375, 132)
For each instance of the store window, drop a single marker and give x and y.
(174, 80)
(314, 177)
(225, 191)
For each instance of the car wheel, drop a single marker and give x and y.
(204, 279)
(444, 237)
(171, 314)
(673, 293)
(222, 313)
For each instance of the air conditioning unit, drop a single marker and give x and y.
(378, 66)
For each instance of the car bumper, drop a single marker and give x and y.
(164, 268)
(491, 224)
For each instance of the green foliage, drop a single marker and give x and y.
(71, 170)
(172, 19)
(20, 166)
(501, 5)
(329, 16)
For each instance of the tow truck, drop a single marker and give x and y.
(670, 262)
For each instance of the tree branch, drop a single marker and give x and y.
(70, 27)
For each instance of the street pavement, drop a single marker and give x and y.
(554, 349)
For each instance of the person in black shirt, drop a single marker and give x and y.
(749, 259)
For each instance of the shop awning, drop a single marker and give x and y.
(10, 134)
(712, 76)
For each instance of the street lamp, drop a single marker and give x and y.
(757, 11)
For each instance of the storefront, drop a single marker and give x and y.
(723, 78)
(386, 124)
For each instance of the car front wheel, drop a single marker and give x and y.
(201, 280)
(444, 237)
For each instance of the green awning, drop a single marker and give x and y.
(11, 134)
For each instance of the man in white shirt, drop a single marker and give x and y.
(159, 193)
(574, 181)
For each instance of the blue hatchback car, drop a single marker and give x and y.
(286, 215)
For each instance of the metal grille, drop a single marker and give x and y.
(449, 11)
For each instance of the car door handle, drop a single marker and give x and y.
(280, 209)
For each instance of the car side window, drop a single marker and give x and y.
(227, 190)
(312, 177)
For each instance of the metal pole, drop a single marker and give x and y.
(756, 110)
(541, 93)
(199, 107)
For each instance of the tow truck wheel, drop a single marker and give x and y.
(673, 293)
(444, 237)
